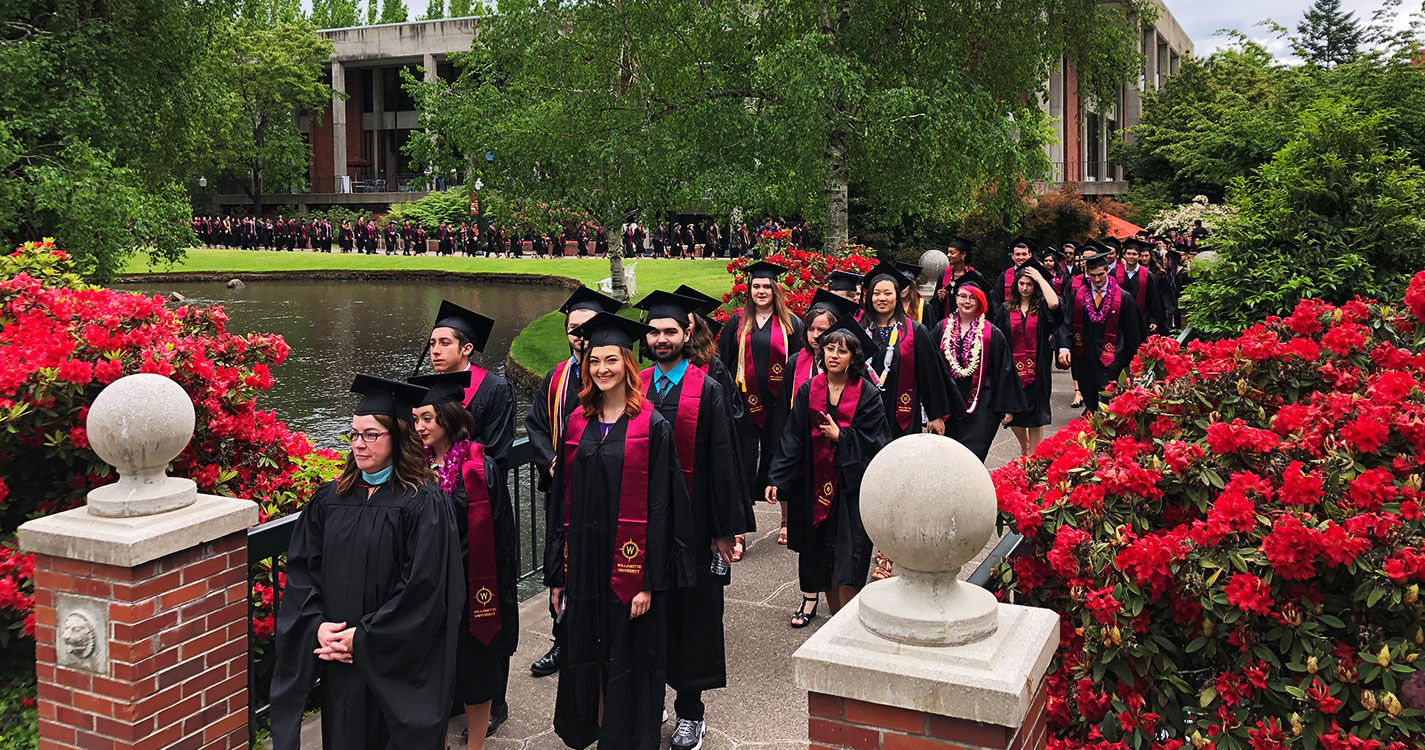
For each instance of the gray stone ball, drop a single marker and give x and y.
(140, 423)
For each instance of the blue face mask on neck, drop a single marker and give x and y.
(379, 478)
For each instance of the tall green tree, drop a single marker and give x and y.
(460, 8)
(434, 9)
(1329, 36)
(270, 74)
(1336, 213)
(798, 107)
(393, 11)
(372, 12)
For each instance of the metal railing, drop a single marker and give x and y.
(1009, 544)
(267, 545)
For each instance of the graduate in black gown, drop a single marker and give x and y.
(825, 309)
(915, 306)
(1100, 333)
(489, 543)
(846, 285)
(619, 538)
(454, 338)
(836, 426)
(373, 601)
(902, 360)
(549, 409)
(975, 354)
(1035, 319)
(1138, 280)
(755, 345)
(694, 403)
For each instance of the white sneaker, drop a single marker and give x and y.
(665, 716)
(689, 734)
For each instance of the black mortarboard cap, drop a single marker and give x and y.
(585, 298)
(661, 304)
(1137, 244)
(714, 325)
(709, 302)
(1032, 245)
(851, 325)
(972, 277)
(839, 306)
(1034, 264)
(443, 387)
(607, 329)
(1097, 260)
(473, 325)
(765, 270)
(960, 242)
(843, 281)
(887, 269)
(1111, 242)
(1052, 251)
(390, 397)
(911, 270)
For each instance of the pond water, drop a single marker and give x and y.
(340, 327)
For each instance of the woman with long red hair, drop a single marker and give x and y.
(619, 534)
(755, 345)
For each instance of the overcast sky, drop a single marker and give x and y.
(1201, 19)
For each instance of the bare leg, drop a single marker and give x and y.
(477, 718)
(1022, 435)
(1036, 435)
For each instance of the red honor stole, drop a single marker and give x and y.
(1140, 288)
(905, 377)
(631, 539)
(482, 581)
(558, 387)
(802, 373)
(823, 463)
(1114, 301)
(777, 361)
(477, 376)
(947, 282)
(1118, 273)
(685, 425)
(1009, 281)
(1026, 344)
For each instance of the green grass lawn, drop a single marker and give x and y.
(709, 276)
(541, 344)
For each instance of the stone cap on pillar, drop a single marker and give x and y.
(924, 640)
(138, 424)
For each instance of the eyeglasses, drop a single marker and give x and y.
(369, 436)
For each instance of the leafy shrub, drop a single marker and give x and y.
(450, 206)
(1212, 215)
(61, 342)
(1236, 545)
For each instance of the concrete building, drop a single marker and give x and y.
(356, 149)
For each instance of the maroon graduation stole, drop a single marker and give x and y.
(802, 373)
(1140, 288)
(1113, 298)
(1026, 344)
(1118, 273)
(685, 426)
(905, 377)
(823, 463)
(631, 540)
(558, 386)
(482, 582)
(1009, 281)
(477, 376)
(777, 361)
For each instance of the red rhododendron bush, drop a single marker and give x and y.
(806, 270)
(62, 341)
(1235, 547)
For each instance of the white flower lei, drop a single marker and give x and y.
(951, 344)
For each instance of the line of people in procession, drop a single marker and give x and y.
(371, 235)
(400, 585)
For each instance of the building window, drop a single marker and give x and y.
(1093, 146)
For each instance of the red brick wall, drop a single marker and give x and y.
(835, 723)
(177, 673)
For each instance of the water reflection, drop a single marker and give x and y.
(338, 328)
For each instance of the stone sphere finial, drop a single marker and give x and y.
(933, 264)
(138, 424)
(929, 505)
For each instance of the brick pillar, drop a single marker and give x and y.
(848, 724)
(141, 596)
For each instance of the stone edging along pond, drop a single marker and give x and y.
(514, 370)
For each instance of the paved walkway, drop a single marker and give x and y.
(760, 708)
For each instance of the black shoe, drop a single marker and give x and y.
(546, 665)
(497, 717)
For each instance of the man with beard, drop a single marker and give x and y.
(694, 404)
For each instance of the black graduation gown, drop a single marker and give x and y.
(605, 652)
(783, 412)
(696, 655)
(1048, 331)
(1000, 394)
(494, 409)
(540, 430)
(1086, 367)
(388, 565)
(482, 670)
(1153, 310)
(757, 444)
(838, 551)
(930, 388)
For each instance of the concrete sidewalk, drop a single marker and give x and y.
(760, 708)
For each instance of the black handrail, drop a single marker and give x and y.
(267, 544)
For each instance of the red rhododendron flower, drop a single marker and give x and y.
(1249, 593)
(1365, 434)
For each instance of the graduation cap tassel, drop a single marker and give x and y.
(420, 358)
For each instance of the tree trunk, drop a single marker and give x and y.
(616, 270)
(835, 193)
(255, 191)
